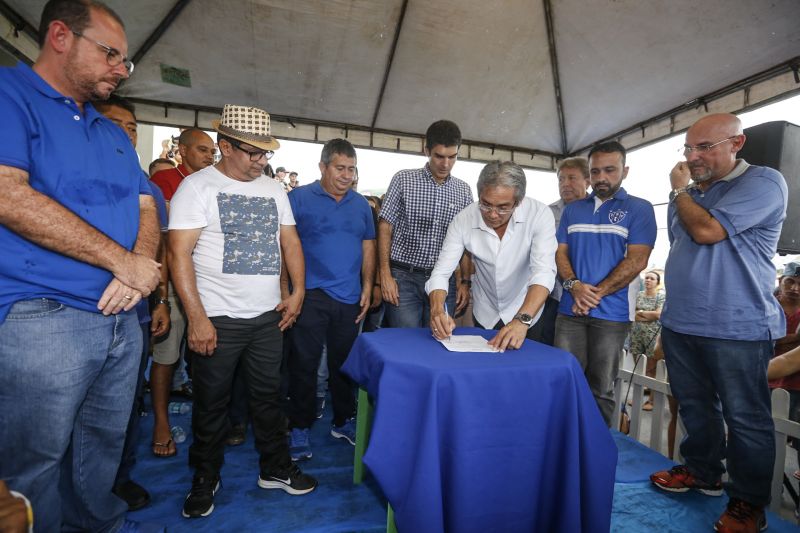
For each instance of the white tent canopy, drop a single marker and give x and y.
(528, 80)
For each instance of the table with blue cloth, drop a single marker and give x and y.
(467, 442)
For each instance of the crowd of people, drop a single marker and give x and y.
(268, 282)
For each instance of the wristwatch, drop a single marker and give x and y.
(162, 301)
(524, 318)
(467, 282)
(675, 192)
(569, 283)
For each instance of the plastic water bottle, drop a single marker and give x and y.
(178, 434)
(179, 408)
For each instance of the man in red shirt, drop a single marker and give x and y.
(197, 152)
(789, 297)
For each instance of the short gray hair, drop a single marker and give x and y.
(503, 174)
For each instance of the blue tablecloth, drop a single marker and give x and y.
(467, 442)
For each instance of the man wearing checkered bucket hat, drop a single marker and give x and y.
(229, 228)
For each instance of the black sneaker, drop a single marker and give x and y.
(200, 500)
(236, 435)
(289, 479)
(134, 495)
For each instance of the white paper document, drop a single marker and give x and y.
(467, 343)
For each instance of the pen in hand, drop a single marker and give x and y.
(447, 315)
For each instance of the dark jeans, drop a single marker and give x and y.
(257, 343)
(597, 345)
(414, 310)
(132, 433)
(548, 321)
(323, 321)
(534, 332)
(715, 380)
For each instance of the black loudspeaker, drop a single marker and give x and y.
(777, 145)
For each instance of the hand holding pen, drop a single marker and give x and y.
(442, 324)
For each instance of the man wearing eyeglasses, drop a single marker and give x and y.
(512, 242)
(230, 226)
(720, 319)
(604, 241)
(78, 234)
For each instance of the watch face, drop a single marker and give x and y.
(525, 319)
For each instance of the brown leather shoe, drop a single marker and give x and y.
(741, 517)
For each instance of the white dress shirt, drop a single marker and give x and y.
(504, 268)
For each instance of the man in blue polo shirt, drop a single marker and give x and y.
(720, 319)
(78, 231)
(338, 237)
(604, 241)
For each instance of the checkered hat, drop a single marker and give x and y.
(247, 124)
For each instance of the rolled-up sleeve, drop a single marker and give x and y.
(452, 250)
(543, 250)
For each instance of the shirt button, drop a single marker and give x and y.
(76, 117)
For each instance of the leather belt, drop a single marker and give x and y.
(410, 268)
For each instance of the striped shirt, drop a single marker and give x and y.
(597, 237)
(420, 210)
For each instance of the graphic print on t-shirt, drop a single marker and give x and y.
(250, 225)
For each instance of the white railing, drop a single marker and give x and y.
(784, 428)
(660, 392)
(659, 395)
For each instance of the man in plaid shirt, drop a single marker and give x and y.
(418, 208)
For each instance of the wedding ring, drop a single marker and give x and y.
(128, 297)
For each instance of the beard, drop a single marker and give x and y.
(87, 86)
(604, 190)
(700, 173)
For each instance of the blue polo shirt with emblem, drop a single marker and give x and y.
(81, 160)
(724, 290)
(597, 237)
(332, 235)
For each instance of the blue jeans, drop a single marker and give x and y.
(414, 310)
(716, 379)
(597, 345)
(132, 433)
(67, 379)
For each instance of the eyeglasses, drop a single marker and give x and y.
(254, 156)
(489, 208)
(113, 56)
(703, 148)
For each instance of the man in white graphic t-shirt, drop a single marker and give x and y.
(229, 227)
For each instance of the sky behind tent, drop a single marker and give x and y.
(648, 176)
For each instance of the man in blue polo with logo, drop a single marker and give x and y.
(721, 320)
(604, 242)
(78, 234)
(338, 236)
